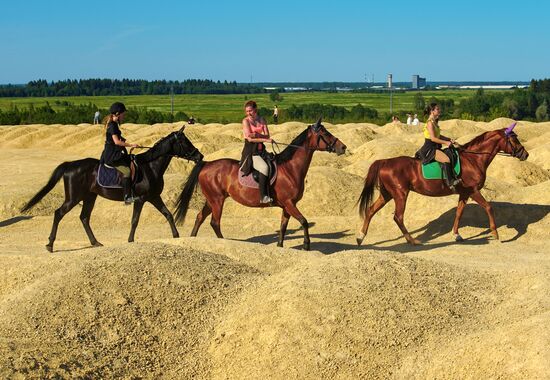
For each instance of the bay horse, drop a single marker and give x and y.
(79, 178)
(219, 179)
(395, 177)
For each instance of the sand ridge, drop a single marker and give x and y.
(242, 307)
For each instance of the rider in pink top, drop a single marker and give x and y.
(255, 134)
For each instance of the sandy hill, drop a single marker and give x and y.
(243, 308)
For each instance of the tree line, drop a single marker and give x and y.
(519, 104)
(82, 113)
(124, 87)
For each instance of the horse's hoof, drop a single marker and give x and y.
(49, 248)
(359, 239)
(458, 238)
(306, 246)
(280, 245)
(97, 244)
(415, 242)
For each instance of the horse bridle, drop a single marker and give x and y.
(186, 156)
(330, 147)
(515, 152)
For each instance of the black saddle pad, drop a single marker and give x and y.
(109, 177)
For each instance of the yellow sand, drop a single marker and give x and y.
(243, 308)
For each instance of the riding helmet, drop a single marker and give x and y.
(117, 108)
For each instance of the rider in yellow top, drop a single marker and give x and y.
(433, 142)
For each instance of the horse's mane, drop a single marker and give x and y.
(155, 152)
(478, 139)
(289, 151)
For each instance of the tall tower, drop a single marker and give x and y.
(390, 86)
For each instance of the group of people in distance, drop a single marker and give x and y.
(411, 120)
(256, 134)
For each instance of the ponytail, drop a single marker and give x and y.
(107, 119)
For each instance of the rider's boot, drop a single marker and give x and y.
(128, 191)
(451, 181)
(263, 182)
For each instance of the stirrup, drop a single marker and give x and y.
(129, 200)
(266, 199)
(455, 182)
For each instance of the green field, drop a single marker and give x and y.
(230, 107)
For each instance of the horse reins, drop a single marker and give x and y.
(188, 156)
(513, 154)
(330, 147)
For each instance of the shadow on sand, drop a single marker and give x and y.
(15, 219)
(510, 215)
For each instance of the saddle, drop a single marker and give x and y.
(109, 177)
(251, 180)
(433, 169)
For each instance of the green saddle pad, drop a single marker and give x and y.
(433, 170)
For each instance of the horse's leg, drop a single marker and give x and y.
(138, 206)
(373, 209)
(201, 216)
(476, 196)
(296, 214)
(400, 204)
(217, 207)
(87, 207)
(57, 216)
(284, 223)
(459, 210)
(159, 204)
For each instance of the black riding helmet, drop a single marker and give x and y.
(117, 108)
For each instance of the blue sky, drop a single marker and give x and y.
(275, 41)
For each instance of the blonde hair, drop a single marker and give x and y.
(107, 119)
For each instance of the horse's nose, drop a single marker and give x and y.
(341, 149)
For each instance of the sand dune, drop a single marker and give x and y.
(242, 307)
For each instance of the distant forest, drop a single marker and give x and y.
(116, 87)
(520, 104)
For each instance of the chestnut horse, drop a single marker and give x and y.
(81, 186)
(219, 179)
(395, 177)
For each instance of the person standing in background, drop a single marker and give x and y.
(415, 120)
(275, 114)
(97, 115)
(409, 119)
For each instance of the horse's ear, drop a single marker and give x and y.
(509, 130)
(317, 125)
(182, 129)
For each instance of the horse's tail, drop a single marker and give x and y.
(55, 177)
(182, 204)
(365, 199)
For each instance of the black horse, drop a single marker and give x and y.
(80, 184)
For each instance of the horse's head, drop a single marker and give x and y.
(183, 148)
(512, 146)
(322, 139)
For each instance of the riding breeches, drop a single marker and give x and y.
(125, 170)
(260, 165)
